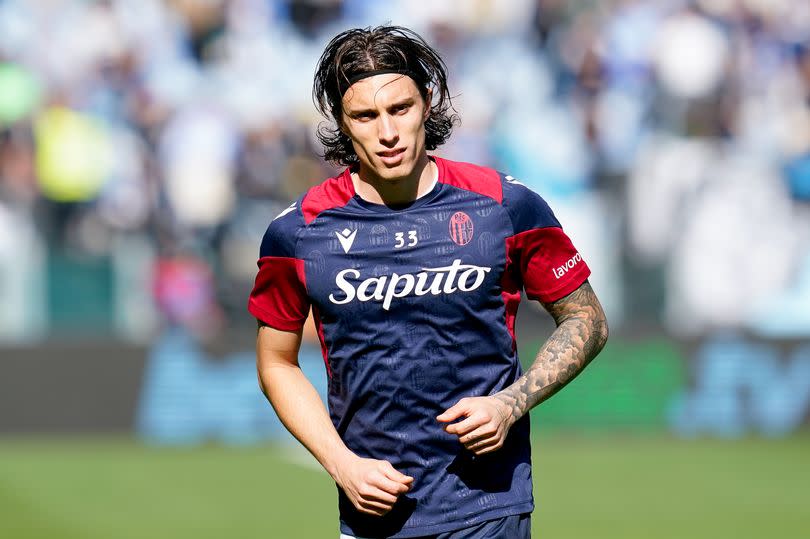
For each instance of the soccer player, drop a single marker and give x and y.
(413, 267)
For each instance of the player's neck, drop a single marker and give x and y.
(393, 192)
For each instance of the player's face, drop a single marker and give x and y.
(385, 115)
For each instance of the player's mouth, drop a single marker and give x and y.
(392, 158)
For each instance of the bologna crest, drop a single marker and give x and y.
(461, 228)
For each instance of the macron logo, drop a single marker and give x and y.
(346, 239)
(565, 268)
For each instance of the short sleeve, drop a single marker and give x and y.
(279, 297)
(541, 254)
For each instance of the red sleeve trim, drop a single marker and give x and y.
(574, 282)
(279, 297)
(333, 193)
(549, 266)
(481, 180)
(273, 321)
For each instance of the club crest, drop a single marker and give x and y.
(461, 228)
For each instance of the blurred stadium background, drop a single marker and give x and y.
(144, 147)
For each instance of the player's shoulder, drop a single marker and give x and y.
(478, 179)
(281, 237)
(331, 193)
(526, 208)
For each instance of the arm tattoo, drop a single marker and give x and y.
(580, 335)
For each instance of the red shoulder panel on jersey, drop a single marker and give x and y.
(478, 179)
(279, 297)
(333, 193)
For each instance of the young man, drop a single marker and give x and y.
(413, 266)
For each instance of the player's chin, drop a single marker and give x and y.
(399, 169)
(394, 173)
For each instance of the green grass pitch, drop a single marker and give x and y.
(585, 487)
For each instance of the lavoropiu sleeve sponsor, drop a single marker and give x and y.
(548, 264)
(279, 297)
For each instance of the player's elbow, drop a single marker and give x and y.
(599, 332)
(263, 377)
(262, 385)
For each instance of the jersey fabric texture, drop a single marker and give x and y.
(415, 309)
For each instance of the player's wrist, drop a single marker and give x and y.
(339, 461)
(507, 408)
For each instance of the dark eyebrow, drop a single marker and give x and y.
(404, 101)
(408, 100)
(360, 112)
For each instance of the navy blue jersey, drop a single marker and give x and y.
(415, 309)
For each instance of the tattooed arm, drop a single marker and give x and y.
(580, 335)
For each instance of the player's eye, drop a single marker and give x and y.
(401, 109)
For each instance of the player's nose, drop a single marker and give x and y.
(387, 130)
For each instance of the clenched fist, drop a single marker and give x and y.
(373, 486)
(485, 425)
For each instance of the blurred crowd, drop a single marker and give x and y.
(145, 146)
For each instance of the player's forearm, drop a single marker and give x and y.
(580, 335)
(301, 410)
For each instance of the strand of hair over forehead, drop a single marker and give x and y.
(326, 96)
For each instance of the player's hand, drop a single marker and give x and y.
(373, 486)
(485, 424)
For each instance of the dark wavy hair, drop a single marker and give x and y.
(391, 48)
